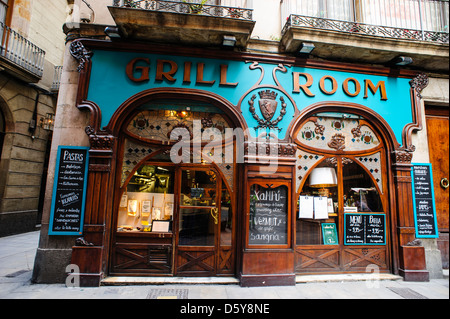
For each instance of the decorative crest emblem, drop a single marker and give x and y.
(268, 105)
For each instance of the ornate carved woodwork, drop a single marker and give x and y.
(195, 262)
(80, 53)
(142, 258)
(316, 260)
(419, 83)
(263, 149)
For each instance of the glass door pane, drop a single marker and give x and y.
(360, 193)
(199, 214)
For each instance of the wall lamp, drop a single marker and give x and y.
(401, 60)
(48, 122)
(112, 32)
(306, 48)
(229, 41)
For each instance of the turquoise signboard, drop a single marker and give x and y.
(268, 95)
(424, 201)
(69, 191)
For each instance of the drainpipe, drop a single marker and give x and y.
(33, 122)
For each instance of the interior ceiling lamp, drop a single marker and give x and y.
(112, 32)
(306, 48)
(322, 177)
(182, 114)
(229, 41)
(401, 60)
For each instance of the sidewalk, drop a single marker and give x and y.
(17, 257)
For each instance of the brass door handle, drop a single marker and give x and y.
(444, 183)
(215, 214)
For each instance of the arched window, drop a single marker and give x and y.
(340, 176)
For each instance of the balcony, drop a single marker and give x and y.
(56, 78)
(370, 31)
(193, 22)
(20, 57)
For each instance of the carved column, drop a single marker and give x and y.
(412, 264)
(90, 251)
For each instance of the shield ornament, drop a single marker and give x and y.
(268, 104)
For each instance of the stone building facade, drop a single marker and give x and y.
(126, 59)
(31, 58)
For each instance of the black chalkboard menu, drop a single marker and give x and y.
(268, 224)
(69, 190)
(364, 229)
(423, 201)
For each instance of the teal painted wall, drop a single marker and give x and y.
(109, 87)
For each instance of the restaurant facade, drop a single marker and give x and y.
(233, 163)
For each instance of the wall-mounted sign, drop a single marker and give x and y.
(364, 229)
(268, 224)
(69, 191)
(423, 201)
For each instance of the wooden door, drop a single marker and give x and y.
(204, 223)
(438, 139)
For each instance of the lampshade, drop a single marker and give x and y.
(323, 177)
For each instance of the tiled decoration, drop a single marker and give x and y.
(373, 165)
(158, 124)
(337, 134)
(305, 161)
(133, 154)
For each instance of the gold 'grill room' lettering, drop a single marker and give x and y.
(303, 82)
(138, 70)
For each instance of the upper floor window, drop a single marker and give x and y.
(4, 6)
(425, 15)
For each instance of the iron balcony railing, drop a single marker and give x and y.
(57, 78)
(20, 51)
(423, 20)
(233, 9)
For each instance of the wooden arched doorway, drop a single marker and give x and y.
(174, 218)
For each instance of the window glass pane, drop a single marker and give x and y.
(196, 227)
(197, 224)
(3, 9)
(149, 196)
(318, 206)
(198, 188)
(359, 190)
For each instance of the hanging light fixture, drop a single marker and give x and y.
(323, 178)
